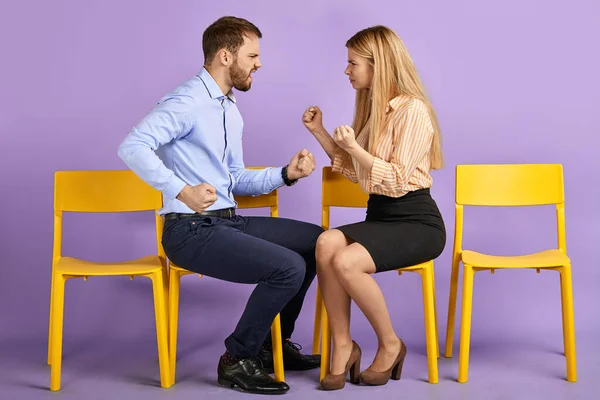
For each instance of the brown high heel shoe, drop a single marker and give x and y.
(375, 378)
(335, 382)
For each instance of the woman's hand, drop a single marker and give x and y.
(313, 119)
(344, 137)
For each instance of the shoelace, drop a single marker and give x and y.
(293, 345)
(256, 362)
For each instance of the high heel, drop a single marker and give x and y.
(375, 378)
(335, 382)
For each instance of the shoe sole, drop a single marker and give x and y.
(232, 385)
(272, 371)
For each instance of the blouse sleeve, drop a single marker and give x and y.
(413, 143)
(342, 163)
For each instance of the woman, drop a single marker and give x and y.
(390, 149)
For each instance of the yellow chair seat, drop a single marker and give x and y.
(181, 270)
(417, 267)
(75, 266)
(543, 259)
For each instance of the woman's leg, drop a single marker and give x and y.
(353, 265)
(337, 301)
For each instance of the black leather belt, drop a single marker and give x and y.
(223, 213)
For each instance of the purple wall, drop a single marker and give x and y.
(513, 82)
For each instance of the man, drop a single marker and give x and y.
(196, 131)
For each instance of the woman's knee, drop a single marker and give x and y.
(328, 243)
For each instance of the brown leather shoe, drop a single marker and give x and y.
(375, 378)
(335, 382)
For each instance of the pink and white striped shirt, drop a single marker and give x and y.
(402, 156)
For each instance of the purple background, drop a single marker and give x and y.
(512, 82)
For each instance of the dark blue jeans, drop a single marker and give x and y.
(277, 254)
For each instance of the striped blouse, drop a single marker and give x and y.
(402, 156)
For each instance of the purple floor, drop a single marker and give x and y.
(525, 367)
(109, 349)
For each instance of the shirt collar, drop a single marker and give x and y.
(213, 88)
(394, 103)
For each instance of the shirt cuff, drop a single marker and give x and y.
(377, 171)
(276, 178)
(173, 188)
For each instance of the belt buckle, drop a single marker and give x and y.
(229, 213)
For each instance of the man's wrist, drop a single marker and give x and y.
(181, 193)
(287, 179)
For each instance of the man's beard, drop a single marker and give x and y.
(239, 77)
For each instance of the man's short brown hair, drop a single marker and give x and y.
(227, 33)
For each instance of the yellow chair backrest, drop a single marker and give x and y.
(339, 191)
(510, 185)
(270, 200)
(102, 191)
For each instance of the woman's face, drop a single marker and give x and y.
(359, 71)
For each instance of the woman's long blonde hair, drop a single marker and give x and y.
(394, 73)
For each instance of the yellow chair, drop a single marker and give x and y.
(270, 200)
(508, 185)
(104, 191)
(338, 191)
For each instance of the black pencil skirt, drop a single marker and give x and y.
(400, 232)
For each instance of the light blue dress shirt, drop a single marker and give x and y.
(194, 135)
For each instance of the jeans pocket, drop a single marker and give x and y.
(196, 225)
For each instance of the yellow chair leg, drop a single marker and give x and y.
(566, 288)
(165, 279)
(562, 301)
(317, 328)
(50, 318)
(465, 326)
(58, 308)
(325, 343)
(277, 349)
(429, 316)
(174, 285)
(452, 307)
(160, 314)
(437, 332)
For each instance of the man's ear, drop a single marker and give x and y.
(224, 57)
